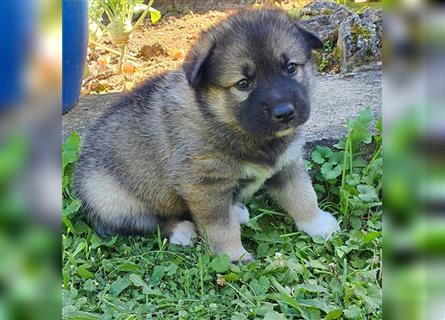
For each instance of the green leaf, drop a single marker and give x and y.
(96, 241)
(325, 152)
(353, 179)
(334, 314)
(81, 315)
(84, 273)
(155, 15)
(378, 126)
(355, 222)
(119, 285)
(263, 309)
(232, 277)
(367, 193)
(128, 267)
(314, 288)
(157, 275)
(260, 286)
(314, 303)
(138, 282)
(359, 127)
(353, 312)
(71, 209)
(220, 264)
(273, 315)
(319, 189)
(262, 250)
(317, 157)
(329, 172)
(70, 150)
(370, 236)
(316, 264)
(285, 298)
(89, 285)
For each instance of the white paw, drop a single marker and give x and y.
(241, 213)
(322, 225)
(183, 234)
(241, 255)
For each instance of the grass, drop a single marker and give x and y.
(293, 276)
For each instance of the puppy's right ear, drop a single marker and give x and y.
(311, 38)
(196, 59)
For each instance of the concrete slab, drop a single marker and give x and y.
(336, 99)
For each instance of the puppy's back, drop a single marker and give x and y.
(123, 166)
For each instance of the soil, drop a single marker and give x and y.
(162, 46)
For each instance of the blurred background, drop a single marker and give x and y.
(30, 159)
(414, 160)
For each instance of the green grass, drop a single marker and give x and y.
(293, 276)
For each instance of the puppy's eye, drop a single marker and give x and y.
(292, 68)
(243, 84)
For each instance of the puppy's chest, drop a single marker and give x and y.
(253, 175)
(252, 178)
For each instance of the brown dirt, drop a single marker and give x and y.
(162, 46)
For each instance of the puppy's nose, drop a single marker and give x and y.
(283, 112)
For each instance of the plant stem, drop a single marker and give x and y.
(144, 14)
(347, 154)
(111, 50)
(372, 160)
(121, 58)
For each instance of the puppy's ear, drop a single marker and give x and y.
(196, 59)
(311, 38)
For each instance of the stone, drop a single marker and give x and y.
(357, 37)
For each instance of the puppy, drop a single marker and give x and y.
(185, 149)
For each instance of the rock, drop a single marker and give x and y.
(358, 43)
(321, 7)
(354, 39)
(372, 20)
(322, 27)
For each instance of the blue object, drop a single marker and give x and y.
(75, 43)
(15, 43)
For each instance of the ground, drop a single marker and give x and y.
(162, 46)
(293, 276)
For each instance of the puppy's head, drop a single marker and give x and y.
(253, 72)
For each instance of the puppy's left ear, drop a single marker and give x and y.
(196, 59)
(310, 38)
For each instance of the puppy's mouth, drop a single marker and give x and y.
(285, 132)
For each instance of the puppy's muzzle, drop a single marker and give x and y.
(283, 113)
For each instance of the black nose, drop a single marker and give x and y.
(283, 112)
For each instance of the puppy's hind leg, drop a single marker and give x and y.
(127, 226)
(111, 208)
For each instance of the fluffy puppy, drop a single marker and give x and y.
(186, 148)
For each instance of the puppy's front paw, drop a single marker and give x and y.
(183, 234)
(324, 224)
(241, 213)
(241, 255)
